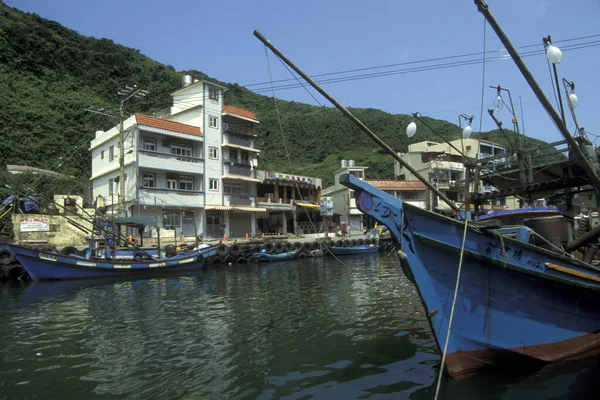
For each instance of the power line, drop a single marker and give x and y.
(419, 69)
(420, 61)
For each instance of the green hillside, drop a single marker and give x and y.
(50, 74)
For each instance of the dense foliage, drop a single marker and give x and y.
(50, 74)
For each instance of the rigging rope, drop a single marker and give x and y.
(482, 76)
(462, 251)
(287, 154)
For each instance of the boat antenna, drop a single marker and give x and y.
(356, 121)
(483, 8)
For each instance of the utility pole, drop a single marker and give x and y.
(129, 92)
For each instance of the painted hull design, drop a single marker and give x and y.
(41, 266)
(343, 251)
(514, 299)
(289, 255)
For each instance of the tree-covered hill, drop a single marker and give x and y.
(50, 74)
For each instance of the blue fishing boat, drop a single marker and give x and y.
(354, 250)
(43, 265)
(109, 254)
(264, 256)
(489, 292)
(513, 297)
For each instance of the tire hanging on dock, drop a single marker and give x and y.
(222, 251)
(278, 247)
(269, 248)
(68, 250)
(14, 271)
(215, 260)
(235, 250)
(6, 257)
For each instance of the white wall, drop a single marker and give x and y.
(213, 137)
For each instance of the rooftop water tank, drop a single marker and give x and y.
(351, 163)
(187, 80)
(343, 164)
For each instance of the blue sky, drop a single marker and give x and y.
(325, 36)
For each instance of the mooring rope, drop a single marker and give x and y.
(462, 252)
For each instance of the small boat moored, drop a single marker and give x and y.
(264, 256)
(354, 250)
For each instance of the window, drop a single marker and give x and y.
(102, 155)
(186, 183)
(213, 152)
(111, 153)
(148, 180)
(232, 188)
(245, 156)
(182, 150)
(356, 173)
(233, 154)
(150, 144)
(213, 93)
(213, 122)
(171, 183)
(213, 184)
(170, 219)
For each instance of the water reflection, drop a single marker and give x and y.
(305, 329)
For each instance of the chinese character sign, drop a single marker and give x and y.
(34, 225)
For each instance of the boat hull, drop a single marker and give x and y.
(354, 250)
(255, 257)
(513, 300)
(42, 266)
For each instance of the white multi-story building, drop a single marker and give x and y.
(345, 209)
(194, 170)
(443, 166)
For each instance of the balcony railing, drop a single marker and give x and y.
(240, 200)
(273, 200)
(238, 129)
(171, 156)
(237, 161)
(164, 197)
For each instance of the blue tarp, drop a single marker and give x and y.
(29, 204)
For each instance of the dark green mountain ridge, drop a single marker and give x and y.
(50, 74)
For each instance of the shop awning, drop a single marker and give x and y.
(236, 208)
(237, 146)
(240, 178)
(307, 204)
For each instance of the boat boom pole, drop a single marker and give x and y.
(358, 123)
(483, 8)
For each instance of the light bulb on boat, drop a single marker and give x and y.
(466, 133)
(411, 129)
(554, 54)
(573, 101)
(498, 103)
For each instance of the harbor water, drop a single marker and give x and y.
(316, 328)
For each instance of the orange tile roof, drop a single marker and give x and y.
(168, 125)
(397, 185)
(238, 111)
(488, 141)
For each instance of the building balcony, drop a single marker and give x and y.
(236, 129)
(237, 161)
(170, 162)
(239, 200)
(271, 203)
(164, 197)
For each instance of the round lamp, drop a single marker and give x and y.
(554, 54)
(411, 129)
